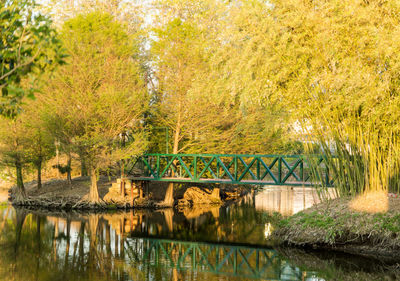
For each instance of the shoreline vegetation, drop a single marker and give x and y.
(335, 225)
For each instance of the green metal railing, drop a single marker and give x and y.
(231, 168)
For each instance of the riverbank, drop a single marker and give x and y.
(58, 193)
(335, 225)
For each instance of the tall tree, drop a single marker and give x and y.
(25, 141)
(177, 62)
(40, 142)
(99, 95)
(180, 54)
(13, 148)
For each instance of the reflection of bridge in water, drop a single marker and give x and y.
(221, 259)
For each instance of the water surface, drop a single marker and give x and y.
(219, 243)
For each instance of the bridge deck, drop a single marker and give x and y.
(224, 181)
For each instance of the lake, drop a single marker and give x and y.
(206, 243)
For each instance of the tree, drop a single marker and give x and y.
(28, 47)
(99, 95)
(179, 55)
(177, 62)
(40, 143)
(130, 13)
(24, 140)
(13, 146)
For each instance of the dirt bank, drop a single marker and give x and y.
(59, 194)
(334, 225)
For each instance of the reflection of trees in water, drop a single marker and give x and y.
(234, 223)
(35, 248)
(102, 247)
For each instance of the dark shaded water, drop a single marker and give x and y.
(227, 243)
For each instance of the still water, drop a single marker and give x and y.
(218, 243)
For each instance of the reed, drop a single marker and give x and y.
(360, 157)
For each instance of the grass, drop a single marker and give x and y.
(334, 224)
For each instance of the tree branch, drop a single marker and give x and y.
(20, 65)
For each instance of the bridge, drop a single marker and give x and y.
(290, 170)
(228, 260)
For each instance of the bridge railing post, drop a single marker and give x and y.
(236, 168)
(195, 167)
(218, 170)
(302, 169)
(158, 167)
(280, 170)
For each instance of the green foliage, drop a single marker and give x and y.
(28, 47)
(94, 104)
(202, 93)
(332, 67)
(63, 169)
(387, 223)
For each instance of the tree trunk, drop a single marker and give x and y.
(39, 174)
(69, 178)
(176, 138)
(84, 171)
(169, 194)
(94, 193)
(21, 194)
